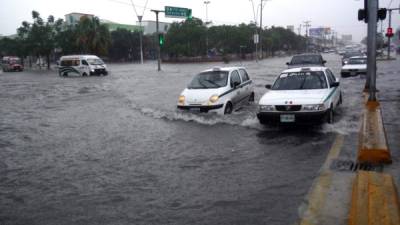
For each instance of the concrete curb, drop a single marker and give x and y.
(374, 200)
(373, 146)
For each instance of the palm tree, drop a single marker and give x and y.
(92, 36)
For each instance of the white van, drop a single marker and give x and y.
(82, 65)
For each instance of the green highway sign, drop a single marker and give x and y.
(177, 12)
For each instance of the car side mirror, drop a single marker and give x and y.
(235, 84)
(323, 62)
(335, 84)
(268, 86)
(288, 63)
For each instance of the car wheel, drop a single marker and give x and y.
(330, 116)
(65, 74)
(228, 108)
(84, 74)
(251, 98)
(340, 99)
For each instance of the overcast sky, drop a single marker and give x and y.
(340, 15)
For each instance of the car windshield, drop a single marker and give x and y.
(306, 59)
(211, 79)
(357, 61)
(94, 61)
(300, 80)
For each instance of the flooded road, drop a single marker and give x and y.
(114, 150)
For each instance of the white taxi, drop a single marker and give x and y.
(301, 95)
(355, 65)
(218, 90)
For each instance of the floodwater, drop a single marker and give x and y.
(114, 150)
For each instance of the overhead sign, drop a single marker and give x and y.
(177, 12)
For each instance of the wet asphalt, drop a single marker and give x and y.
(114, 150)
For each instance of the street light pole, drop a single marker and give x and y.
(206, 3)
(141, 39)
(261, 27)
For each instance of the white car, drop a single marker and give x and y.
(218, 90)
(355, 65)
(301, 95)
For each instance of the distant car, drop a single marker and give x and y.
(301, 95)
(11, 63)
(349, 54)
(306, 60)
(355, 65)
(218, 90)
(82, 65)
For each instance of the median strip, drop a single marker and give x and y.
(374, 200)
(373, 146)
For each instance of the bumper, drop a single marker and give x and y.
(99, 72)
(202, 108)
(300, 117)
(346, 73)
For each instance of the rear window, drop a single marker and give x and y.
(70, 62)
(306, 59)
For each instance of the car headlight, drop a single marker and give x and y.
(345, 61)
(181, 100)
(267, 108)
(214, 98)
(317, 107)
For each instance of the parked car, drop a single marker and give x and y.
(355, 65)
(306, 60)
(301, 95)
(11, 63)
(349, 54)
(82, 65)
(218, 90)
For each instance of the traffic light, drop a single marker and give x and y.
(189, 14)
(389, 32)
(161, 39)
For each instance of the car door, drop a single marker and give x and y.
(236, 91)
(85, 67)
(246, 89)
(332, 79)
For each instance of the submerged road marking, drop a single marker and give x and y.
(319, 189)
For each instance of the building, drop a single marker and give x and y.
(74, 18)
(347, 38)
(112, 26)
(290, 27)
(149, 27)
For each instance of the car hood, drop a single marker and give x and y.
(297, 97)
(354, 66)
(200, 96)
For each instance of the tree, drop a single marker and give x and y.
(92, 37)
(124, 45)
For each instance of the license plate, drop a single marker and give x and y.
(353, 73)
(195, 109)
(288, 118)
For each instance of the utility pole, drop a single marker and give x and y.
(206, 3)
(371, 48)
(307, 25)
(158, 34)
(299, 30)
